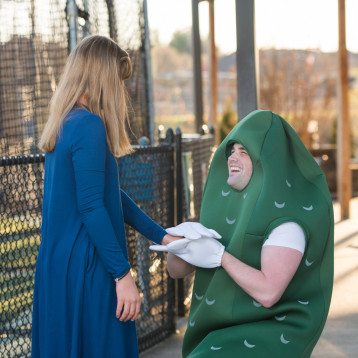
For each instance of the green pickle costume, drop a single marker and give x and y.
(286, 185)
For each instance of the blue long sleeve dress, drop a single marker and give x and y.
(83, 248)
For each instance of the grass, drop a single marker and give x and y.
(16, 295)
(186, 123)
(11, 308)
(20, 250)
(19, 243)
(19, 240)
(18, 224)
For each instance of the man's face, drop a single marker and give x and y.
(240, 167)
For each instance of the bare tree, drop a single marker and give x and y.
(299, 86)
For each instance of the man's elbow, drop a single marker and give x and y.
(180, 270)
(173, 273)
(269, 300)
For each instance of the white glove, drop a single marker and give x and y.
(205, 252)
(192, 230)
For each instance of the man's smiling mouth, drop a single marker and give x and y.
(235, 168)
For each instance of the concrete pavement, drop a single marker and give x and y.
(340, 335)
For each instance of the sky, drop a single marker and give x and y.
(279, 23)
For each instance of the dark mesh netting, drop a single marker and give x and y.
(124, 22)
(33, 52)
(34, 44)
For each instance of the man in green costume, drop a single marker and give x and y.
(268, 294)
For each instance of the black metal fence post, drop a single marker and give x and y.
(179, 210)
(179, 176)
(172, 284)
(169, 138)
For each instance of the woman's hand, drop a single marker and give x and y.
(167, 239)
(128, 299)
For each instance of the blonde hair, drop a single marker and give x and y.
(96, 68)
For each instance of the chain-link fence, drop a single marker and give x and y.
(148, 176)
(21, 185)
(34, 45)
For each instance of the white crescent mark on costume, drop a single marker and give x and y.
(209, 302)
(303, 302)
(309, 208)
(308, 263)
(215, 348)
(245, 195)
(198, 297)
(191, 323)
(280, 318)
(283, 340)
(288, 184)
(248, 345)
(256, 304)
(225, 193)
(280, 206)
(230, 222)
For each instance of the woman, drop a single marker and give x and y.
(85, 299)
(270, 293)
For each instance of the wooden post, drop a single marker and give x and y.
(213, 74)
(344, 175)
(246, 59)
(150, 126)
(198, 83)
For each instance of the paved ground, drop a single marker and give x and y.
(340, 336)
